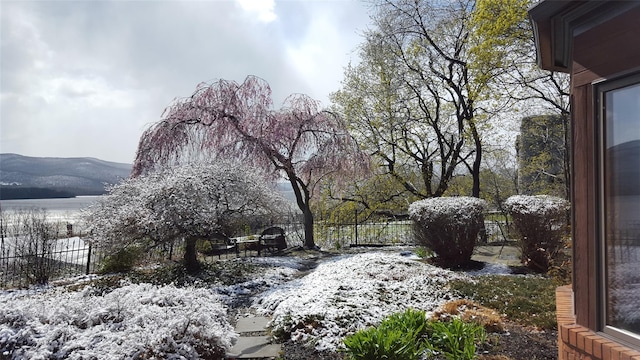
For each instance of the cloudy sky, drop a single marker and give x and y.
(85, 78)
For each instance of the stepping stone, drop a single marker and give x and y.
(252, 324)
(252, 347)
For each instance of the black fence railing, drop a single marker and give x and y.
(337, 236)
(23, 264)
(72, 256)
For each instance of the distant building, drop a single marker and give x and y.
(541, 156)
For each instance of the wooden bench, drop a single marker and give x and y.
(221, 244)
(273, 239)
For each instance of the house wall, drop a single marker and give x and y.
(602, 52)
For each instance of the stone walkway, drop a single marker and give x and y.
(254, 341)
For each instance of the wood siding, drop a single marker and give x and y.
(584, 204)
(607, 49)
(603, 52)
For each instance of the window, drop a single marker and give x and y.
(619, 102)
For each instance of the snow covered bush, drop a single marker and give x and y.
(540, 220)
(132, 322)
(449, 226)
(188, 202)
(34, 238)
(350, 293)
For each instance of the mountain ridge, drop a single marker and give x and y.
(71, 176)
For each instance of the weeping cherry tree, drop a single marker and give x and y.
(299, 141)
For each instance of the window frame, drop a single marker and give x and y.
(601, 89)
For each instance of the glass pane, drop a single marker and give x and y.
(622, 206)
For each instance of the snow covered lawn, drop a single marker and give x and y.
(343, 294)
(134, 320)
(351, 292)
(131, 321)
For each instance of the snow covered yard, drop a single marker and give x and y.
(135, 320)
(343, 294)
(352, 292)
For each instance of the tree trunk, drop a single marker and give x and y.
(302, 199)
(191, 263)
(477, 162)
(309, 242)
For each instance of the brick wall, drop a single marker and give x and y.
(576, 342)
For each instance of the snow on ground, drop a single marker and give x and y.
(491, 269)
(276, 270)
(352, 292)
(343, 294)
(132, 321)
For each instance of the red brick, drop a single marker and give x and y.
(564, 332)
(597, 348)
(617, 351)
(568, 332)
(588, 344)
(632, 352)
(580, 335)
(606, 350)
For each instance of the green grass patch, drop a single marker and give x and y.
(527, 300)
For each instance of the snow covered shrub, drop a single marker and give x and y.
(34, 238)
(131, 322)
(189, 202)
(540, 221)
(449, 226)
(350, 293)
(121, 261)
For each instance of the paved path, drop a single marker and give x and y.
(508, 255)
(254, 341)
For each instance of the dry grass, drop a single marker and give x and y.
(468, 311)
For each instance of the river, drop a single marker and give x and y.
(65, 209)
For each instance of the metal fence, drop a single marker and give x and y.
(337, 236)
(72, 256)
(23, 264)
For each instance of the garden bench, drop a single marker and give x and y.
(221, 244)
(273, 239)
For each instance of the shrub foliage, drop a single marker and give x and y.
(449, 226)
(33, 239)
(540, 221)
(410, 335)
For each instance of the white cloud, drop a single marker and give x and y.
(325, 48)
(264, 9)
(86, 78)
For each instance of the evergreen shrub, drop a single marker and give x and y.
(449, 226)
(541, 222)
(121, 261)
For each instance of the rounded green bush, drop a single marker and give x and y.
(449, 226)
(540, 221)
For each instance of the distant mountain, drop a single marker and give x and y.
(70, 176)
(625, 159)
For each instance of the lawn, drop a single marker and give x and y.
(315, 299)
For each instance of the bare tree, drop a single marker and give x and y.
(413, 101)
(504, 40)
(299, 141)
(34, 238)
